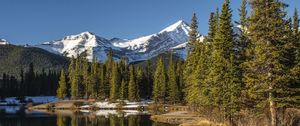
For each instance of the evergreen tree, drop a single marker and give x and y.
(193, 34)
(149, 79)
(102, 85)
(212, 27)
(266, 77)
(86, 78)
(108, 70)
(179, 78)
(296, 22)
(159, 85)
(139, 79)
(242, 43)
(94, 80)
(223, 75)
(22, 84)
(191, 61)
(29, 80)
(173, 93)
(62, 89)
(114, 82)
(132, 85)
(75, 79)
(123, 90)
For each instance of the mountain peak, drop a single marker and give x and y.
(87, 33)
(179, 24)
(3, 42)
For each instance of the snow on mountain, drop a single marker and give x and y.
(3, 42)
(138, 49)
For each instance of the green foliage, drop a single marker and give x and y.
(132, 85)
(160, 83)
(14, 58)
(193, 34)
(114, 83)
(62, 89)
(173, 91)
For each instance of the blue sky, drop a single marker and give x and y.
(36, 21)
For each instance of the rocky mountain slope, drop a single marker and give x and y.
(173, 37)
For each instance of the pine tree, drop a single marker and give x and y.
(296, 36)
(223, 75)
(294, 86)
(173, 93)
(242, 43)
(148, 79)
(108, 69)
(179, 79)
(94, 80)
(132, 85)
(75, 78)
(123, 90)
(29, 80)
(86, 78)
(62, 89)
(212, 27)
(114, 83)
(191, 62)
(139, 81)
(193, 34)
(22, 84)
(159, 85)
(102, 85)
(266, 77)
(296, 22)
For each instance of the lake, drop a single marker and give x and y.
(17, 116)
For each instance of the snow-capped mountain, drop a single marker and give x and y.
(142, 48)
(3, 42)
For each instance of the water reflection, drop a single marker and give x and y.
(14, 116)
(112, 120)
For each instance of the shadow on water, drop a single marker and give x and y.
(22, 117)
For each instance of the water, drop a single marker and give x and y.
(16, 116)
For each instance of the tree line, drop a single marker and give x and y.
(30, 83)
(254, 69)
(119, 80)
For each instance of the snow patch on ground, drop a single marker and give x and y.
(105, 105)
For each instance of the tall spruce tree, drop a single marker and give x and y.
(94, 80)
(212, 27)
(86, 78)
(123, 90)
(296, 22)
(108, 69)
(193, 34)
(179, 79)
(191, 91)
(173, 93)
(242, 43)
(114, 83)
(62, 89)
(102, 88)
(159, 85)
(139, 81)
(266, 76)
(132, 85)
(223, 75)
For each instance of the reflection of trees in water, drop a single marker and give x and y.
(112, 120)
(61, 121)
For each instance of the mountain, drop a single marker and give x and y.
(3, 42)
(173, 37)
(13, 57)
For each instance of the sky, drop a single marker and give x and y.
(37, 21)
